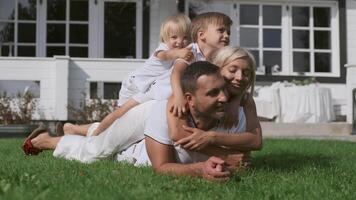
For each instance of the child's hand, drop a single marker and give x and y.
(186, 53)
(178, 106)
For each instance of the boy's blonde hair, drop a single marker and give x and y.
(226, 55)
(201, 22)
(175, 24)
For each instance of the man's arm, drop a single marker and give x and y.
(163, 161)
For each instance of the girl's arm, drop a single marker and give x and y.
(110, 118)
(172, 54)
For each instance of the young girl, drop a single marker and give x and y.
(174, 36)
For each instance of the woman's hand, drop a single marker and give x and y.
(197, 140)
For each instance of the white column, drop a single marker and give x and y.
(61, 87)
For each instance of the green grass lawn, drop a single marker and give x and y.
(284, 169)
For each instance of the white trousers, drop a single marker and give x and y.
(124, 132)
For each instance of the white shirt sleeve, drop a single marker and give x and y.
(156, 125)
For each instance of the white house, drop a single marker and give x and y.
(65, 47)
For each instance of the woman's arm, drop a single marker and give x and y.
(246, 141)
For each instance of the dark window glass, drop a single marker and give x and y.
(26, 51)
(78, 51)
(301, 62)
(322, 40)
(27, 9)
(272, 60)
(6, 32)
(93, 90)
(249, 14)
(322, 17)
(78, 33)
(7, 9)
(272, 15)
(272, 38)
(111, 90)
(322, 62)
(300, 16)
(56, 33)
(256, 55)
(27, 33)
(56, 9)
(249, 37)
(5, 51)
(120, 30)
(52, 51)
(79, 10)
(301, 39)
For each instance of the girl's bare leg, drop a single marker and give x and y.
(73, 129)
(45, 141)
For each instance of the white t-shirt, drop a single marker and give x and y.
(162, 88)
(157, 129)
(151, 69)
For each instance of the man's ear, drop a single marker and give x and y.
(189, 98)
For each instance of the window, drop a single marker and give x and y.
(18, 28)
(67, 28)
(288, 39)
(105, 90)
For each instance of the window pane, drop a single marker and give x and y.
(322, 17)
(79, 5)
(301, 39)
(301, 62)
(322, 62)
(27, 9)
(272, 38)
(300, 16)
(249, 14)
(5, 50)
(120, 30)
(27, 33)
(78, 33)
(272, 60)
(6, 32)
(256, 55)
(272, 15)
(26, 51)
(78, 51)
(93, 90)
(249, 37)
(51, 51)
(13, 87)
(111, 90)
(7, 9)
(56, 33)
(56, 9)
(322, 40)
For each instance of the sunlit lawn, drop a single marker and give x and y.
(284, 169)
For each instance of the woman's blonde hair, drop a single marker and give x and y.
(226, 55)
(175, 24)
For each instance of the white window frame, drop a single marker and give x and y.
(96, 30)
(286, 35)
(16, 21)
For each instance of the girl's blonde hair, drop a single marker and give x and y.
(175, 24)
(227, 54)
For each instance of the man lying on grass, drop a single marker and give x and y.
(205, 91)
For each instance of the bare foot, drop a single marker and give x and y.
(69, 129)
(45, 141)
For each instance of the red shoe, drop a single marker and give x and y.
(28, 147)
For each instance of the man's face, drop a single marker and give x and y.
(209, 100)
(216, 36)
